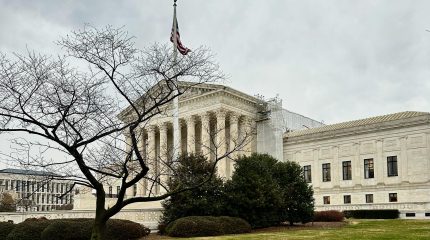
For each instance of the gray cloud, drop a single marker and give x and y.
(330, 60)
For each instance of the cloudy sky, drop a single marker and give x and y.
(330, 60)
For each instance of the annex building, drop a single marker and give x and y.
(374, 163)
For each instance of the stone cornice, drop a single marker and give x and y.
(344, 132)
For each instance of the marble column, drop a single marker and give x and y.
(221, 143)
(248, 128)
(206, 141)
(163, 161)
(152, 156)
(191, 134)
(141, 185)
(234, 143)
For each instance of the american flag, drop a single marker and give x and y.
(181, 48)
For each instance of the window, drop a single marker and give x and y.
(368, 168)
(6, 184)
(307, 173)
(346, 199)
(392, 166)
(369, 198)
(326, 199)
(392, 197)
(410, 214)
(326, 172)
(427, 214)
(110, 191)
(118, 188)
(346, 169)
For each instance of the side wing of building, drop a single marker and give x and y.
(375, 163)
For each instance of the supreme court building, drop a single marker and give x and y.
(381, 162)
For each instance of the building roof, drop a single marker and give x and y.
(26, 172)
(357, 123)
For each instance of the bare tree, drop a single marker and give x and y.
(61, 108)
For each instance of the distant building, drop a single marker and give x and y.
(35, 190)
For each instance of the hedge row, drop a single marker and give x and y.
(328, 216)
(373, 214)
(69, 229)
(5, 229)
(198, 226)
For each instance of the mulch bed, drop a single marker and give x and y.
(307, 226)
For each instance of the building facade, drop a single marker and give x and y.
(376, 163)
(215, 120)
(35, 191)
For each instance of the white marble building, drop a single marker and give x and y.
(214, 119)
(34, 190)
(375, 163)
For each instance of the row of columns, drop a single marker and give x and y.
(205, 134)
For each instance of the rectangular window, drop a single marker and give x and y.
(118, 188)
(392, 197)
(307, 173)
(326, 199)
(410, 214)
(346, 199)
(6, 184)
(369, 168)
(392, 166)
(110, 191)
(346, 170)
(326, 172)
(369, 198)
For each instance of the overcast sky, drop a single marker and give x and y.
(329, 60)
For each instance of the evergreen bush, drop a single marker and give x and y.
(328, 216)
(200, 226)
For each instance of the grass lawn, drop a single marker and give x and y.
(357, 229)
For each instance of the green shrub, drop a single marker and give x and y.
(373, 214)
(67, 230)
(297, 195)
(253, 193)
(232, 225)
(5, 229)
(207, 200)
(81, 228)
(199, 226)
(30, 229)
(118, 229)
(328, 216)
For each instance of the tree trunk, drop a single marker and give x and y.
(99, 230)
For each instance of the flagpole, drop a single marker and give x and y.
(176, 135)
